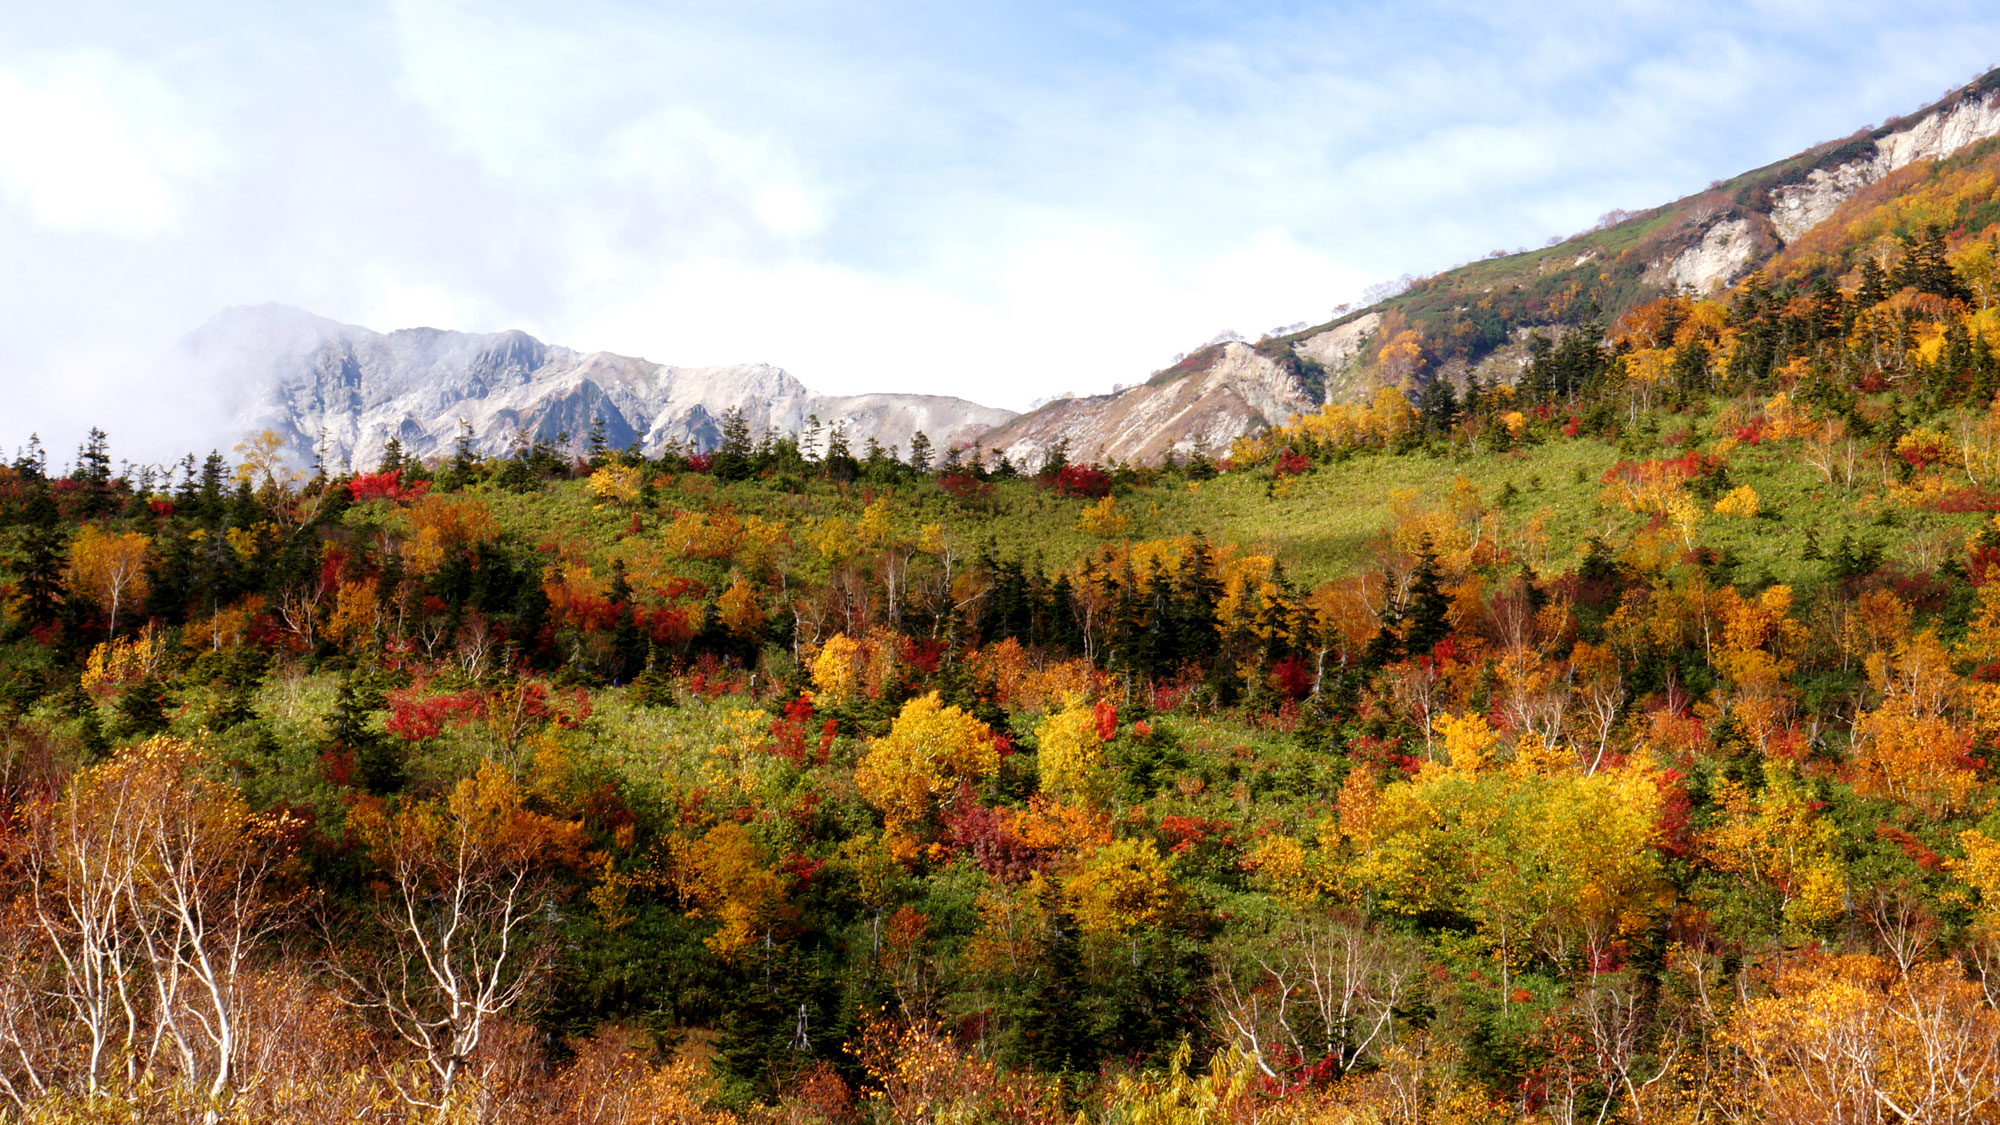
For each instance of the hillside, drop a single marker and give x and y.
(1475, 321)
(1563, 698)
(1618, 740)
(317, 382)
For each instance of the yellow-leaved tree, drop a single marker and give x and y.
(1121, 886)
(1468, 740)
(617, 484)
(1071, 755)
(725, 876)
(109, 568)
(836, 671)
(1539, 857)
(1981, 870)
(1103, 519)
(1776, 840)
(928, 752)
(263, 466)
(1741, 502)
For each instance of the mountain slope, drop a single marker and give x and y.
(1477, 320)
(1203, 403)
(1237, 390)
(347, 390)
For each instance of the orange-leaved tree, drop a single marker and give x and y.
(1844, 1038)
(1913, 748)
(725, 877)
(467, 880)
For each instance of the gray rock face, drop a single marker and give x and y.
(1722, 256)
(316, 381)
(1797, 208)
(1337, 348)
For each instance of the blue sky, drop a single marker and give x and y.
(1003, 201)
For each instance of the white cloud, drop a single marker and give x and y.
(1076, 309)
(91, 144)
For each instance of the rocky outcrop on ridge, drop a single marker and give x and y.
(1203, 404)
(1797, 208)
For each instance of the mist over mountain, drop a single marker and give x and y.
(344, 391)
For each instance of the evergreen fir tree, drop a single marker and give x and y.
(1829, 314)
(210, 499)
(1057, 1032)
(1690, 371)
(1055, 459)
(93, 471)
(44, 556)
(1198, 591)
(142, 707)
(1874, 284)
(190, 488)
(810, 442)
(629, 648)
(1430, 607)
(79, 705)
(731, 460)
(838, 464)
(464, 457)
(1437, 406)
(32, 461)
(93, 460)
(1926, 265)
(243, 509)
(378, 765)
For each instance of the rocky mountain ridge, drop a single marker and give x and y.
(1237, 391)
(342, 392)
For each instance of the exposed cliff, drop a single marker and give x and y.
(1798, 207)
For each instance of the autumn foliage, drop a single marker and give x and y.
(1607, 736)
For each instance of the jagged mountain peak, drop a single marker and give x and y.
(342, 391)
